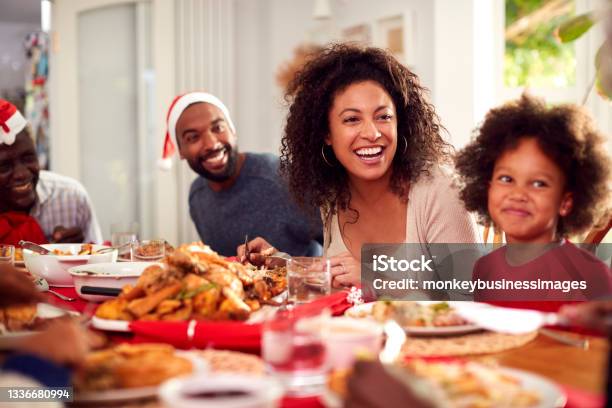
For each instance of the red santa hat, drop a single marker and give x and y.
(11, 122)
(177, 107)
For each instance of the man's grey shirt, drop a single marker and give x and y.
(257, 204)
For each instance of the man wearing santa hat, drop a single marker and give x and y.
(237, 194)
(38, 205)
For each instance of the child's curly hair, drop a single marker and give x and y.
(311, 93)
(565, 133)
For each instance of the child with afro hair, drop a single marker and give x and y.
(540, 174)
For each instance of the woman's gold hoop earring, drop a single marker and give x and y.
(405, 145)
(325, 158)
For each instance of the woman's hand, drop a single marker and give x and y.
(345, 270)
(259, 249)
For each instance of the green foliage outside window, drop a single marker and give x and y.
(533, 56)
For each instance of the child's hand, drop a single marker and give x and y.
(593, 315)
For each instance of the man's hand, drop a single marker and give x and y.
(64, 342)
(16, 288)
(68, 235)
(259, 249)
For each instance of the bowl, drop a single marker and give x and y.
(106, 275)
(54, 268)
(221, 391)
(346, 338)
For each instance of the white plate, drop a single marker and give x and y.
(199, 366)
(261, 391)
(364, 311)
(43, 310)
(551, 396)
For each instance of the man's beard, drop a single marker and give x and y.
(226, 173)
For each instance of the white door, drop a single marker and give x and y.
(111, 76)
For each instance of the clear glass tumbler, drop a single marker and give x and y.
(308, 278)
(7, 254)
(124, 235)
(294, 351)
(151, 250)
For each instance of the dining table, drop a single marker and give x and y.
(581, 373)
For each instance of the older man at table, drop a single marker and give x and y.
(59, 205)
(236, 193)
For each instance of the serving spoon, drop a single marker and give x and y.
(43, 286)
(34, 247)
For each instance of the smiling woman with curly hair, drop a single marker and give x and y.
(362, 143)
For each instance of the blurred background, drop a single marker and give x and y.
(95, 77)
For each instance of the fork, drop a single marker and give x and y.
(247, 252)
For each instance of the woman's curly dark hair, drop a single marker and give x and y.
(311, 93)
(565, 133)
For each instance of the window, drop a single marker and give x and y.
(533, 57)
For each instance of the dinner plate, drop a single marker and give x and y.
(365, 311)
(43, 310)
(551, 396)
(125, 394)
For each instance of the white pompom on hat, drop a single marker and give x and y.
(11, 122)
(177, 107)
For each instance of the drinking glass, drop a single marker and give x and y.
(293, 349)
(151, 250)
(308, 278)
(7, 254)
(123, 233)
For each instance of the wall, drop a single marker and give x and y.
(267, 32)
(12, 54)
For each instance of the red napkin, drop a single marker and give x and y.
(336, 302)
(307, 402)
(15, 226)
(225, 335)
(582, 399)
